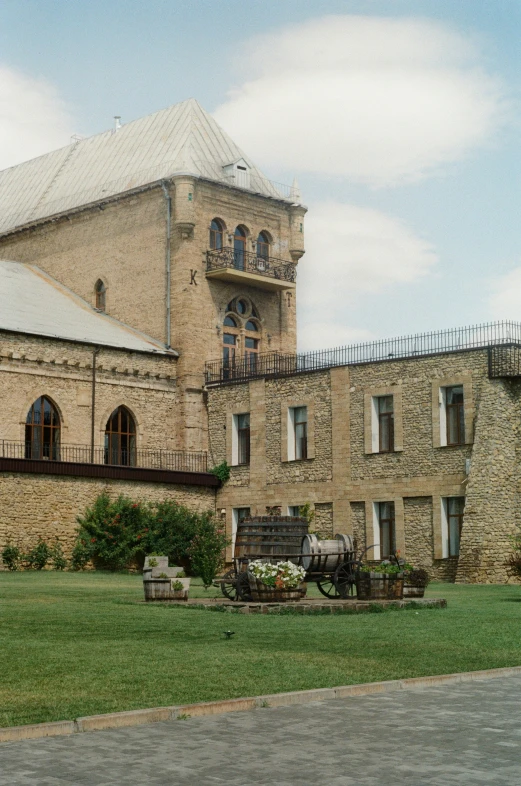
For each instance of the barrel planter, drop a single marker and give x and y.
(379, 586)
(264, 594)
(157, 589)
(270, 537)
(324, 556)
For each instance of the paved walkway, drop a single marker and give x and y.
(458, 735)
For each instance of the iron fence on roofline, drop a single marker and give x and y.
(270, 364)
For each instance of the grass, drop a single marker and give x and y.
(74, 644)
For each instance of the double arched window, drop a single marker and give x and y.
(241, 321)
(101, 295)
(120, 438)
(42, 431)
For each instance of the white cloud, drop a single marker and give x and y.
(377, 100)
(352, 252)
(33, 119)
(505, 301)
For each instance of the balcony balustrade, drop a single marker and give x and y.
(170, 460)
(229, 264)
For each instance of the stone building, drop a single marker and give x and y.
(407, 444)
(148, 333)
(130, 259)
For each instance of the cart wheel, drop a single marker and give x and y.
(229, 585)
(345, 578)
(243, 587)
(327, 587)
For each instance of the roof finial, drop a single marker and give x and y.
(117, 123)
(295, 190)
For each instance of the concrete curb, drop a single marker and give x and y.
(115, 720)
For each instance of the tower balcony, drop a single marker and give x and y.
(245, 267)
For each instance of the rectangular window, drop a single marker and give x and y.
(384, 406)
(452, 523)
(454, 415)
(300, 428)
(386, 531)
(243, 438)
(294, 510)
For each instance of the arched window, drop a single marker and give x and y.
(250, 325)
(239, 248)
(263, 246)
(42, 431)
(120, 438)
(216, 234)
(229, 321)
(101, 291)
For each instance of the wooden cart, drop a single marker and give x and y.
(331, 564)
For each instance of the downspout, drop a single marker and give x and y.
(93, 407)
(167, 258)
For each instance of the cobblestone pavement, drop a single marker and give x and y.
(459, 734)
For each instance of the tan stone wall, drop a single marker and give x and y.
(123, 244)
(416, 478)
(146, 384)
(44, 506)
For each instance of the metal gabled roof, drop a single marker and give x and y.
(182, 138)
(33, 302)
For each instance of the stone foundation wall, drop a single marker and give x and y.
(41, 506)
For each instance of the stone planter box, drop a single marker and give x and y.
(262, 593)
(162, 589)
(379, 586)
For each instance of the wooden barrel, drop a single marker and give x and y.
(270, 537)
(324, 556)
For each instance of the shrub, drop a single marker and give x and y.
(171, 529)
(111, 532)
(221, 471)
(11, 557)
(178, 586)
(81, 554)
(115, 535)
(57, 557)
(207, 550)
(39, 556)
(514, 560)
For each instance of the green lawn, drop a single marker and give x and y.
(77, 644)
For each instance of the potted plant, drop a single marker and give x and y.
(380, 582)
(179, 588)
(281, 582)
(415, 581)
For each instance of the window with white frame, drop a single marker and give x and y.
(294, 510)
(297, 433)
(452, 509)
(238, 515)
(452, 416)
(241, 439)
(384, 530)
(382, 424)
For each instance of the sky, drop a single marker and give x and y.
(401, 120)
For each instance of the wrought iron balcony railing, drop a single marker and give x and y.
(504, 361)
(248, 262)
(172, 460)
